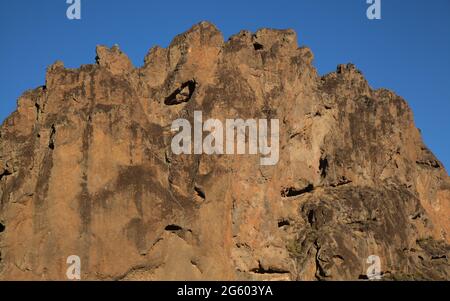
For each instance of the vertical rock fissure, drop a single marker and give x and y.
(51, 143)
(85, 202)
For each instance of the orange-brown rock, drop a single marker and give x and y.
(86, 169)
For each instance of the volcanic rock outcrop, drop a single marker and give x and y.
(86, 169)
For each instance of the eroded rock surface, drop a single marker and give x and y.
(86, 169)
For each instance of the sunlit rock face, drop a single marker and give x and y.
(87, 169)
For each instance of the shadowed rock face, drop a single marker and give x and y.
(86, 169)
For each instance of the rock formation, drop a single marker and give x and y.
(86, 169)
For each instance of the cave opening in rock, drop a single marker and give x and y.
(2, 227)
(283, 222)
(258, 46)
(173, 228)
(182, 94)
(293, 192)
(323, 166)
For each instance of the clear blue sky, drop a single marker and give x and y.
(408, 51)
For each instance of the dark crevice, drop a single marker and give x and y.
(339, 257)
(2, 227)
(173, 228)
(261, 270)
(416, 216)
(167, 158)
(363, 277)
(195, 265)
(311, 217)
(429, 163)
(200, 192)
(182, 94)
(438, 257)
(323, 166)
(342, 182)
(292, 191)
(51, 143)
(283, 222)
(294, 135)
(5, 173)
(320, 273)
(258, 46)
(38, 110)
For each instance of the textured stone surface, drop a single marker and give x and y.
(86, 169)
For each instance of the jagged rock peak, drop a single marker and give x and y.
(113, 59)
(87, 168)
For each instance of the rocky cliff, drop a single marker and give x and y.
(86, 169)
